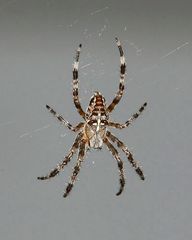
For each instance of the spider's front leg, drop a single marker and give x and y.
(130, 120)
(75, 83)
(61, 165)
(115, 154)
(122, 78)
(129, 155)
(76, 168)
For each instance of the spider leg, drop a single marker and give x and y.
(76, 169)
(130, 120)
(122, 78)
(75, 84)
(115, 154)
(61, 165)
(129, 155)
(63, 121)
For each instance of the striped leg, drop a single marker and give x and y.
(122, 78)
(75, 83)
(129, 155)
(130, 120)
(63, 121)
(61, 165)
(115, 154)
(76, 169)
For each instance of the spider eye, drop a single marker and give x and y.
(92, 122)
(104, 122)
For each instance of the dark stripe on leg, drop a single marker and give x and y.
(131, 119)
(62, 120)
(76, 169)
(60, 166)
(122, 78)
(119, 163)
(129, 155)
(75, 84)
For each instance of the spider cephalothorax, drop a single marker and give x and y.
(93, 132)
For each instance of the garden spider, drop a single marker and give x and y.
(93, 132)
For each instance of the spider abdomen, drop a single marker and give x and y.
(97, 106)
(95, 128)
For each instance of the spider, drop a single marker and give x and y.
(93, 131)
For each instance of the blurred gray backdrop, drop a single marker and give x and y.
(37, 45)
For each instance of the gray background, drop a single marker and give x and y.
(37, 44)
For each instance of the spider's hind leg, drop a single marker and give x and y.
(119, 163)
(61, 165)
(76, 169)
(129, 155)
